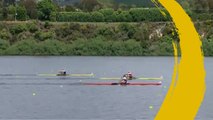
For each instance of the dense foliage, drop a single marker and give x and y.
(45, 9)
(134, 39)
(94, 11)
(96, 27)
(109, 15)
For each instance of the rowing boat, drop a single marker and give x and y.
(73, 75)
(140, 78)
(50, 75)
(131, 83)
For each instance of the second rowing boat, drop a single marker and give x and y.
(139, 78)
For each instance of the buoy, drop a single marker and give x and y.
(150, 107)
(34, 94)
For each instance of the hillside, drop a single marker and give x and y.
(143, 3)
(66, 2)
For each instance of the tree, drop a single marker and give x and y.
(109, 14)
(9, 2)
(1, 4)
(210, 2)
(1, 9)
(11, 9)
(200, 6)
(4, 13)
(127, 29)
(30, 6)
(97, 16)
(4, 44)
(21, 12)
(45, 9)
(123, 16)
(69, 8)
(89, 5)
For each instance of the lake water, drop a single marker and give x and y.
(34, 97)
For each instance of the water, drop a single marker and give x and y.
(33, 97)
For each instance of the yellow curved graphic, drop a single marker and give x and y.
(187, 90)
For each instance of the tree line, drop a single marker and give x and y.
(85, 11)
(38, 38)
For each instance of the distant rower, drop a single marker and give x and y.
(62, 72)
(129, 76)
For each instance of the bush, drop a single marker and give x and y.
(52, 47)
(11, 9)
(142, 33)
(128, 29)
(68, 32)
(204, 16)
(106, 32)
(32, 27)
(123, 16)
(74, 17)
(41, 35)
(23, 36)
(5, 34)
(150, 14)
(138, 14)
(16, 29)
(101, 46)
(128, 48)
(88, 30)
(207, 47)
(97, 17)
(46, 8)
(109, 14)
(95, 46)
(31, 47)
(162, 47)
(47, 24)
(1, 17)
(21, 13)
(24, 47)
(53, 16)
(4, 44)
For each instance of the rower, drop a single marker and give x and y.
(124, 80)
(129, 76)
(62, 72)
